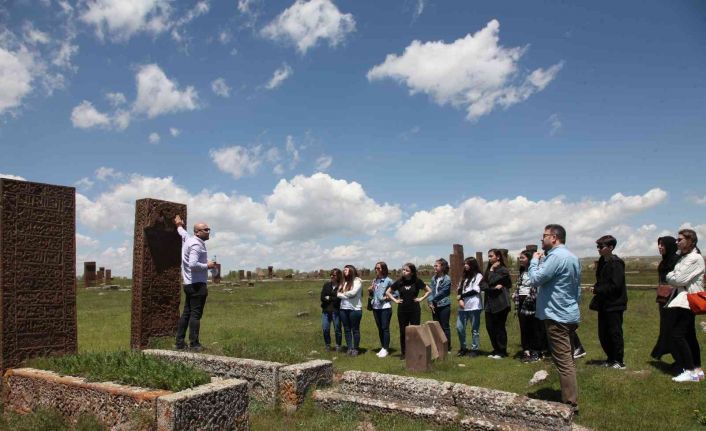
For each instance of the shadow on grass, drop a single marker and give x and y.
(546, 394)
(664, 367)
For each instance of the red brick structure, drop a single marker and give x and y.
(156, 271)
(37, 270)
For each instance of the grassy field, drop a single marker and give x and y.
(262, 323)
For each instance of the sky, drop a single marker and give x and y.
(320, 133)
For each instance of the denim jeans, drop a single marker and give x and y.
(328, 318)
(351, 327)
(196, 295)
(461, 321)
(382, 320)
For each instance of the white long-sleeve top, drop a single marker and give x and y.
(350, 300)
(687, 277)
(194, 258)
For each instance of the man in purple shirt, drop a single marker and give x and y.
(194, 272)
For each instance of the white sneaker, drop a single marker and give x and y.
(700, 374)
(382, 353)
(686, 376)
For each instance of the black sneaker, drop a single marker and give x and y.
(196, 348)
(579, 352)
(462, 352)
(180, 347)
(472, 353)
(618, 366)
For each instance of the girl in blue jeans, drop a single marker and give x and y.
(351, 308)
(331, 309)
(382, 306)
(470, 306)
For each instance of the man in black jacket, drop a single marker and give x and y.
(610, 300)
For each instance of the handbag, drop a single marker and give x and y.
(370, 302)
(595, 304)
(697, 302)
(664, 292)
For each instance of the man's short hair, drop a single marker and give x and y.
(607, 241)
(558, 231)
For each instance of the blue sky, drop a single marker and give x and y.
(319, 133)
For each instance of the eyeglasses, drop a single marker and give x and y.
(208, 229)
(547, 234)
(680, 239)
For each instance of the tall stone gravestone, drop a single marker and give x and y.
(156, 271)
(531, 248)
(89, 274)
(108, 275)
(37, 271)
(216, 277)
(456, 266)
(269, 271)
(100, 275)
(241, 274)
(479, 258)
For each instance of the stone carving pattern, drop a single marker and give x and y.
(37, 270)
(156, 271)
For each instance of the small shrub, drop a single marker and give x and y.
(130, 368)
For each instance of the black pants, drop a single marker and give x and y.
(382, 321)
(443, 315)
(683, 343)
(610, 334)
(495, 325)
(532, 333)
(575, 341)
(406, 318)
(196, 295)
(665, 325)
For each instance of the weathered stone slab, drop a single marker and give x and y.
(333, 400)
(156, 271)
(456, 266)
(425, 330)
(499, 406)
(108, 275)
(439, 339)
(426, 392)
(269, 271)
(418, 348)
(26, 389)
(262, 376)
(479, 258)
(295, 380)
(221, 405)
(89, 274)
(100, 275)
(241, 274)
(37, 271)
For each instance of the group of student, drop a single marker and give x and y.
(491, 291)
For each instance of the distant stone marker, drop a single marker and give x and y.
(269, 271)
(439, 339)
(37, 271)
(531, 248)
(217, 275)
(479, 258)
(418, 347)
(456, 266)
(156, 271)
(100, 275)
(108, 275)
(89, 274)
(249, 275)
(241, 274)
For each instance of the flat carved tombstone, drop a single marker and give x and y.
(479, 258)
(438, 338)
(241, 274)
(108, 275)
(418, 349)
(217, 274)
(426, 333)
(89, 274)
(156, 271)
(269, 271)
(456, 266)
(248, 275)
(37, 271)
(100, 275)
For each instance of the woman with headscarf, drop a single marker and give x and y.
(667, 247)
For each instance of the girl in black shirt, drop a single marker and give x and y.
(331, 309)
(497, 302)
(408, 310)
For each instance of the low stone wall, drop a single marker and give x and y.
(26, 389)
(442, 402)
(269, 382)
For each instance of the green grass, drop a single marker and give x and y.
(262, 323)
(126, 367)
(48, 420)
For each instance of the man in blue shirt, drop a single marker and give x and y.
(558, 279)
(194, 272)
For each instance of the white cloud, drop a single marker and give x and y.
(279, 76)
(84, 183)
(85, 116)
(698, 200)
(224, 37)
(278, 169)
(323, 162)
(292, 152)
(319, 205)
(474, 72)
(62, 56)
(272, 155)
(103, 173)
(306, 22)
(12, 177)
(157, 94)
(116, 99)
(121, 19)
(174, 132)
(220, 88)
(154, 138)
(554, 124)
(418, 9)
(237, 161)
(16, 75)
(33, 36)
(475, 221)
(85, 241)
(201, 8)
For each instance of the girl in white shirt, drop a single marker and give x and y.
(351, 308)
(470, 306)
